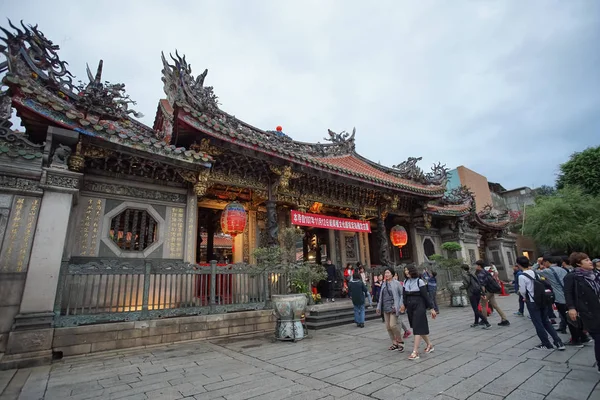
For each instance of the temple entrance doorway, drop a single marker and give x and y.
(212, 243)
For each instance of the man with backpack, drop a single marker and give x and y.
(490, 287)
(474, 291)
(538, 296)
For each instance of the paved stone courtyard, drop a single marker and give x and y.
(338, 363)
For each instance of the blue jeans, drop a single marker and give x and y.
(521, 304)
(474, 299)
(433, 293)
(541, 322)
(370, 298)
(359, 314)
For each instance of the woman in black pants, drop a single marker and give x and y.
(582, 294)
(416, 303)
(473, 287)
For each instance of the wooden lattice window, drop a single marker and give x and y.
(133, 229)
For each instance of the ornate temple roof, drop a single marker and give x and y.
(40, 83)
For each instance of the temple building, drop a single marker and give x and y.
(87, 191)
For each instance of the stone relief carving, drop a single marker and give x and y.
(131, 191)
(20, 184)
(62, 181)
(350, 248)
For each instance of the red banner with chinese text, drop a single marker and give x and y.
(324, 221)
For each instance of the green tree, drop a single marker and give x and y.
(582, 169)
(568, 221)
(545, 190)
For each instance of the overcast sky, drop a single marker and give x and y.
(507, 88)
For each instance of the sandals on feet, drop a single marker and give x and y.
(414, 356)
(429, 349)
(400, 347)
(393, 347)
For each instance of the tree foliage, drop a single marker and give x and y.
(450, 264)
(582, 169)
(282, 259)
(568, 221)
(545, 190)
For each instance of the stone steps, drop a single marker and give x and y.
(335, 314)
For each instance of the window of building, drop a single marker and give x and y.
(428, 247)
(133, 229)
(472, 256)
(496, 258)
(510, 259)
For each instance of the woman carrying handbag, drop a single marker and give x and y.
(582, 294)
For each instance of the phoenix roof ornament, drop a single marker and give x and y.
(107, 101)
(38, 52)
(180, 86)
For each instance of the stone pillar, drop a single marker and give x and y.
(30, 341)
(252, 229)
(367, 249)
(417, 245)
(361, 245)
(192, 228)
(331, 250)
(342, 238)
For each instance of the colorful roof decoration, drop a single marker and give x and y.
(460, 202)
(201, 111)
(40, 82)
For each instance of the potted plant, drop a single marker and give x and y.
(299, 275)
(452, 266)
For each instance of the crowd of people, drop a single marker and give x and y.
(567, 286)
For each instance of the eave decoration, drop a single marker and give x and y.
(460, 203)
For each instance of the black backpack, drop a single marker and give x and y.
(492, 285)
(476, 286)
(543, 296)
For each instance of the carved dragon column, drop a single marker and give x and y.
(272, 227)
(382, 236)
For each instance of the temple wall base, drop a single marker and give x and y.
(37, 346)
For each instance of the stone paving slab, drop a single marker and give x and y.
(344, 362)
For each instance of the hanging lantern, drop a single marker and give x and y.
(399, 237)
(233, 220)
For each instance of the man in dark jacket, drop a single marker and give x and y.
(358, 291)
(473, 288)
(331, 280)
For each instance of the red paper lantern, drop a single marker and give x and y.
(399, 237)
(279, 128)
(233, 221)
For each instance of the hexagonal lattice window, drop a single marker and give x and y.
(133, 229)
(428, 247)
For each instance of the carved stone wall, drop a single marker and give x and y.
(18, 219)
(86, 227)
